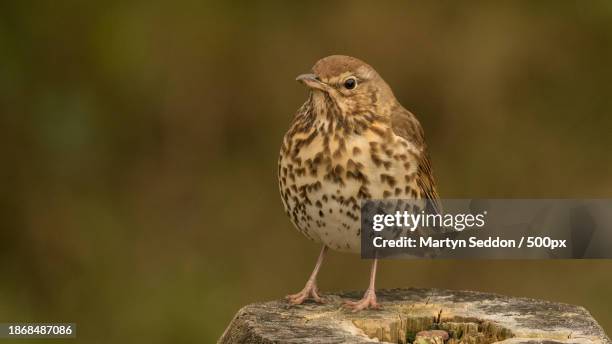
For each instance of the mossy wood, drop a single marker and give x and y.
(417, 316)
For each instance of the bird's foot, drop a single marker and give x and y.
(310, 291)
(368, 301)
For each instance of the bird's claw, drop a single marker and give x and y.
(309, 291)
(368, 301)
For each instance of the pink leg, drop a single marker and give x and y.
(369, 298)
(310, 289)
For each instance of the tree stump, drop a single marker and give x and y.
(419, 316)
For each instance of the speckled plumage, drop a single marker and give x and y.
(345, 145)
(333, 156)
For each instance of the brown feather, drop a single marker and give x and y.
(405, 125)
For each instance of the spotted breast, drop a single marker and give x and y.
(325, 171)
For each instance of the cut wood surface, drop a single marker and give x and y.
(420, 316)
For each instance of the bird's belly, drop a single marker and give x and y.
(323, 201)
(334, 216)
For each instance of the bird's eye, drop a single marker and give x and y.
(350, 83)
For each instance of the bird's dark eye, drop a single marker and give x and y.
(350, 83)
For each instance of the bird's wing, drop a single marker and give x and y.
(404, 124)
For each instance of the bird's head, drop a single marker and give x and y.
(349, 85)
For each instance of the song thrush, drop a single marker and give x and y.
(351, 140)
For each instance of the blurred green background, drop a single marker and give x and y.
(139, 142)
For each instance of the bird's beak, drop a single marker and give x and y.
(311, 81)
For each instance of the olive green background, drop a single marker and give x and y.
(139, 142)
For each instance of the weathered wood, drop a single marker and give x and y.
(466, 316)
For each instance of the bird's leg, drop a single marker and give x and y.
(310, 289)
(369, 298)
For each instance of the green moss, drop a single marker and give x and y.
(410, 336)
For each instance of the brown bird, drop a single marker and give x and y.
(351, 140)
